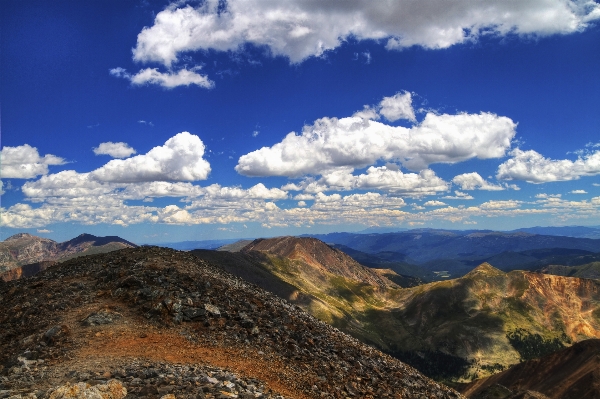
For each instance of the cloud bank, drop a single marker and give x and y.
(299, 29)
(358, 141)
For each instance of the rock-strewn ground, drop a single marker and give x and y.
(164, 322)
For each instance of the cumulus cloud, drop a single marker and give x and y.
(532, 167)
(258, 191)
(115, 150)
(544, 195)
(355, 142)
(397, 107)
(473, 181)
(434, 203)
(500, 204)
(25, 162)
(179, 159)
(168, 80)
(459, 195)
(388, 178)
(300, 29)
(579, 192)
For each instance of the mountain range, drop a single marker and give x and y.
(425, 253)
(25, 254)
(458, 329)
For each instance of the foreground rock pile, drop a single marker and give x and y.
(164, 322)
(136, 379)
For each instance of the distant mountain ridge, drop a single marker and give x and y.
(24, 249)
(423, 245)
(566, 231)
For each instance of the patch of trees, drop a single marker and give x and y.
(533, 346)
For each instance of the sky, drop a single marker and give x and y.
(167, 121)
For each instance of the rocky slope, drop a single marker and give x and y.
(161, 321)
(572, 373)
(25, 249)
(590, 270)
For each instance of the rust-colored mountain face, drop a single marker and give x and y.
(23, 248)
(572, 373)
(165, 322)
(320, 257)
(26, 249)
(495, 319)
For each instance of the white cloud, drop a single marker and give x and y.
(2, 188)
(544, 195)
(385, 178)
(44, 231)
(115, 150)
(473, 181)
(434, 203)
(67, 184)
(24, 162)
(304, 197)
(300, 29)
(301, 203)
(356, 142)
(459, 195)
(397, 107)
(168, 80)
(509, 204)
(579, 192)
(179, 159)
(258, 191)
(532, 167)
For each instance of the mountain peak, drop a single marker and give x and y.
(19, 236)
(485, 270)
(318, 255)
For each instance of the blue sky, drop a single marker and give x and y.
(160, 121)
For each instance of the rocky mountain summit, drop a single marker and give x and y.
(161, 322)
(34, 253)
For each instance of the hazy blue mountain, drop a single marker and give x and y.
(191, 245)
(422, 245)
(567, 231)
